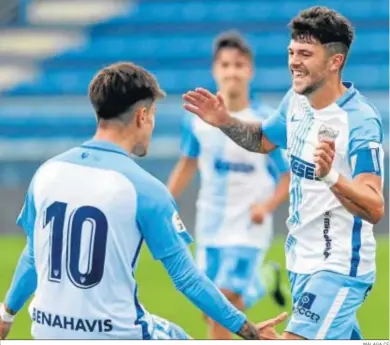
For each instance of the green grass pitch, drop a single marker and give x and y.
(158, 295)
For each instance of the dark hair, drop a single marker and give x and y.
(231, 39)
(326, 26)
(116, 88)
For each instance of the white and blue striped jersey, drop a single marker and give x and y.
(87, 212)
(232, 181)
(323, 235)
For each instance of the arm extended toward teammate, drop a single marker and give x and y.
(212, 109)
(182, 175)
(206, 296)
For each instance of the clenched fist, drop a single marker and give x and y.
(324, 156)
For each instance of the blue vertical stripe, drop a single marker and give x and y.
(140, 311)
(356, 244)
(300, 134)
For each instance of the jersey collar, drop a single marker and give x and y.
(104, 145)
(348, 95)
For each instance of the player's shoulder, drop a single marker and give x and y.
(359, 108)
(45, 169)
(148, 188)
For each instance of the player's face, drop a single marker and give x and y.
(232, 72)
(309, 67)
(145, 119)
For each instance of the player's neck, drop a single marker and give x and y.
(116, 137)
(327, 95)
(236, 104)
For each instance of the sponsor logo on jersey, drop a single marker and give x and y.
(178, 223)
(71, 323)
(303, 169)
(304, 307)
(327, 238)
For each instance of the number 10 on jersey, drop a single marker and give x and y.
(57, 222)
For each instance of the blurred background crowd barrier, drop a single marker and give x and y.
(49, 50)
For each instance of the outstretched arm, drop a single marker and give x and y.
(248, 135)
(167, 238)
(255, 137)
(206, 296)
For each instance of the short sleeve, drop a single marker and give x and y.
(280, 161)
(363, 133)
(159, 222)
(189, 145)
(275, 127)
(27, 215)
(365, 151)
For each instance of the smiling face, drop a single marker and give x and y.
(309, 66)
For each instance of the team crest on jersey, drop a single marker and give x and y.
(178, 223)
(327, 133)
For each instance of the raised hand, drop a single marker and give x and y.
(323, 157)
(210, 108)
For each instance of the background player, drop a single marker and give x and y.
(334, 139)
(239, 189)
(86, 215)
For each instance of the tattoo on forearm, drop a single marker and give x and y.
(248, 331)
(247, 135)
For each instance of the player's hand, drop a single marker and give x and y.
(210, 108)
(258, 213)
(5, 327)
(266, 329)
(323, 157)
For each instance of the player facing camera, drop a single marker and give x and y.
(232, 64)
(320, 42)
(124, 97)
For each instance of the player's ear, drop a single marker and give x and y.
(141, 115)
(337, 61)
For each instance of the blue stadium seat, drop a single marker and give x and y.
(243, 11)
(190, 46)
(174, 39)
(68, 81)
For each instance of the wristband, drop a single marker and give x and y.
(5, 316)
(332, 178)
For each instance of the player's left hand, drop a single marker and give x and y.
(323, 157)
(258, 213)
(266, 329)
(5, 327)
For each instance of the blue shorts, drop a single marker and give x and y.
(325, 304)
(165, 330)
(230, 268)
